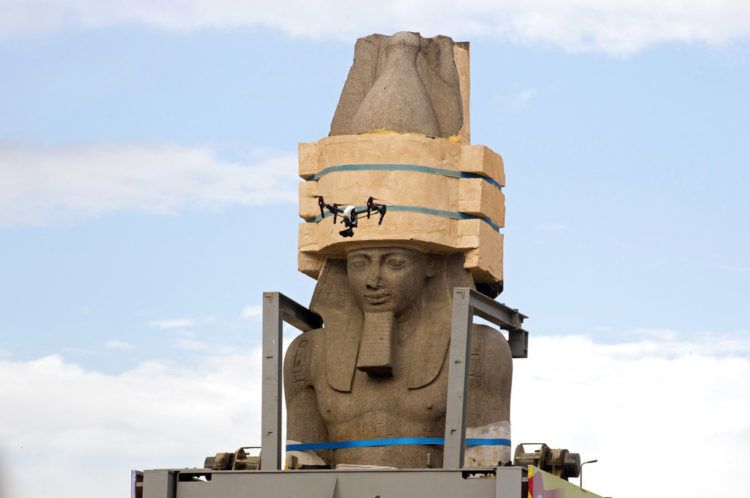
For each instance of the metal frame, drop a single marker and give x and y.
(277, 308)
(466, 303)
(496, 482)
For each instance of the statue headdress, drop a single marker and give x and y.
(401, 135)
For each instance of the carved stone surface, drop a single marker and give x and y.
(402, 83)
(378, 368)
(477, 196)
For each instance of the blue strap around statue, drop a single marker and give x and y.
(394, 441)
(403, 167)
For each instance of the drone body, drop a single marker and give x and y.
(350, 214)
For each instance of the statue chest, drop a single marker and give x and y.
(383, 407)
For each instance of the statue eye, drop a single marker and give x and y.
(396, 262)
(358, 263)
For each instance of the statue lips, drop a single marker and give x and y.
(377, 299)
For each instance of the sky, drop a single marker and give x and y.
(148, 197)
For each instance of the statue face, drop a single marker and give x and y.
(387, 278)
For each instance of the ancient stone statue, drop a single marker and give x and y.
(359, 390)
(379, 367)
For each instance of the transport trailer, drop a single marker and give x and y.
(499, 482)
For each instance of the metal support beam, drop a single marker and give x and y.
(297, 315)
(277, 308)
(506, 318)
(160, 484)
(467, 303)
(458, 385)
(271, 389)
(503, 482)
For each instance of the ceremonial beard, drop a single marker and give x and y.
(376, 345)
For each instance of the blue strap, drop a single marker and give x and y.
(422, 210)
(395, 441)
(403, 167)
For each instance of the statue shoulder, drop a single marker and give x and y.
(490, 351)
(301, 357)
(490, 376)
(489, 335)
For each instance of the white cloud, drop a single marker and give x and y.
(47, 184)
(520, 99)
(118, 345)
(253, 311)
(173, 323)
(617, 26)
(96, 427)
(552, 227)
(733, 268)
(190, 344)
(513, 102)
(648, 406)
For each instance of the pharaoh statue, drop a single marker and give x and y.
(369, 387)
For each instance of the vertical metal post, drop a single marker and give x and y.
(271, 389)
(159, 484)
(136, 484)
(509, 482)
(458, 375)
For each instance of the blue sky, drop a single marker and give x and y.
(150, 196)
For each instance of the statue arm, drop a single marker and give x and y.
(303, 421)
(490, 378)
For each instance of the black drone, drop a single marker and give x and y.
(350, 214)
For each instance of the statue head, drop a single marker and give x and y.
(424, 282)
(388, 279)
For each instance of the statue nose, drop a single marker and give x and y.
(373, 278)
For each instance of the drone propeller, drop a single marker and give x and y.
(372, 205)
(322, 206)
(382, 213)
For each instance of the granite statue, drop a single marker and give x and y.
(378, 369)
